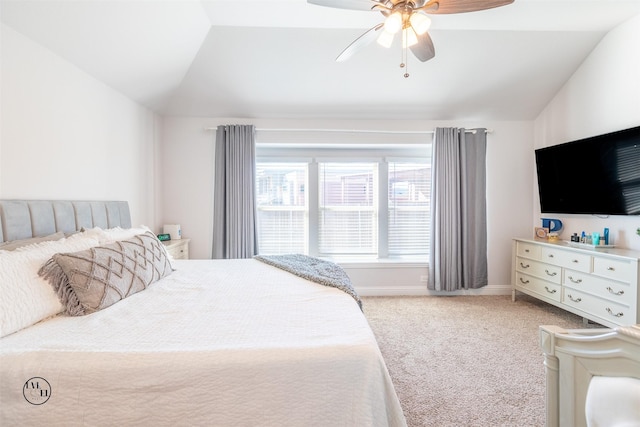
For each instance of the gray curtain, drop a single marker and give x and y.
(458, 251)
(234, 210)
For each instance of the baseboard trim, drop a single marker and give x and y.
(380, 291)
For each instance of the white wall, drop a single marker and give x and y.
(602, 96)
(66, 135)
(187, 182)
(186, 177)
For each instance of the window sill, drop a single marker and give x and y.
(365, 262)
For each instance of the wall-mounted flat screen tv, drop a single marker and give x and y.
(599, 175)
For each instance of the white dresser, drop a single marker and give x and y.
(597, 284)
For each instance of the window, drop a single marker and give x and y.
(344, 200)
(282, 207)
(348, 220)
(409, 192)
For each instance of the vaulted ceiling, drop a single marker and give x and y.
(275, 58)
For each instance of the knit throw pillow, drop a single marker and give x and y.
(96, 278)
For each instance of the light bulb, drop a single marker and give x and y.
(420, 23)
(409, 38)
(385, 39)
(393, 23)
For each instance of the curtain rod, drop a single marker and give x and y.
(417, 132)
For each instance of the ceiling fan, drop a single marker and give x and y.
(408, 17)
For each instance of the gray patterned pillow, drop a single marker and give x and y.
(96, 278)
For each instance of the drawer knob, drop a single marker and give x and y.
(575, 261)
(574, 280)
(574, 299)
(550, 273)
(523, 281)
(526, 250)
(611, 291)
(550, 255)
(611, 269)
(551, 291)
(524, 266)
(614, 314)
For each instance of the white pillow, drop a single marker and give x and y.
(25, 297)
(111, 235)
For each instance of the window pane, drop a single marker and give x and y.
(409, 188)
(282, 207)
(348, 208)
(281, 232)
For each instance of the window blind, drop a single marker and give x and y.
(282, 207)
(408, 201)
(348, 195)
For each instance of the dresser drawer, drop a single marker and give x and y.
(618, 292)
(539, 286)
(612, 268)
(528, 250)
(551, 273)
(567, 259)
(613, 312)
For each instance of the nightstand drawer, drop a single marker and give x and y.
(178, 249)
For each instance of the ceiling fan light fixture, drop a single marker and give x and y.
(393, 23)
(385, 39)
(420, 23)
(409, 38)
(410, 17)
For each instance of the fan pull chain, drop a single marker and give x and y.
(406, 64)
(404, 60)
(402, 51)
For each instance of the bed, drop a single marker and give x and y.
(592, 376)
(214, 342)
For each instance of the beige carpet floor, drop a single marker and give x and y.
(466, 360)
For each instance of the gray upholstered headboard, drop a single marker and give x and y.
(22, 219)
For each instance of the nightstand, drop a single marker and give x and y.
(178, 249)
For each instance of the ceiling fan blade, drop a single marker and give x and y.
(362, 41)
(424, 50)
(461, 6)
(346, 4)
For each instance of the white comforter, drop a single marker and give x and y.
(219, 343)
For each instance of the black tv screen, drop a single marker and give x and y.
(598, 175)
